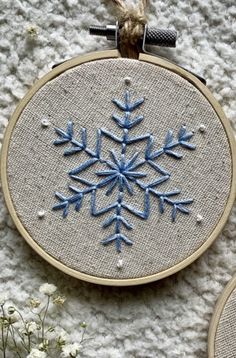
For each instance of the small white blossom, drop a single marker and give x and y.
(35, 353)
(51, 335)
(71, 350)
(59, 334)
(11, 310)
(32, 31)
(47, 289)
(3, 298)
(13, 318)
(34, 303)
(63, 335)
(30, 328)
(59, 300)
(41, 346)
(44, 345)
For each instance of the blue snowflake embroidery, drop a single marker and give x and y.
(121, 173)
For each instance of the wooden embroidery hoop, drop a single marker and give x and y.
(217, 315)
(106, 55)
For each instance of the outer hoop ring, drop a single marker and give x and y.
(99, 56)
(217, 315)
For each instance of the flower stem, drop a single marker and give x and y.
(21, 337)
(44, 317)
(82, 337)
(2, 333)
(14, 341)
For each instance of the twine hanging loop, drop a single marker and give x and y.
(132, 20)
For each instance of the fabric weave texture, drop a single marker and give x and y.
(37, 169)
(166, 319)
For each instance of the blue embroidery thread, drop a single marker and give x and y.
(122, 172)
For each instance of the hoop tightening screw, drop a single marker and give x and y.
(154, 36)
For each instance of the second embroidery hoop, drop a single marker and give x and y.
(160, 246)
(221, 338)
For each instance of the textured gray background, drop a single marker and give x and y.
(164, 319)
(84, 95)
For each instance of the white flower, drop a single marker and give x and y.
(11, 310)
(51, 335)
(62, 337)
(83, 325)
(32, 31)
(59, 300)
(71, 350)
(41, 346)
(47, 289)
(3, 298)
(31, 327)
(13, 318)
(35, 353)
(34, 303)
(58, 334)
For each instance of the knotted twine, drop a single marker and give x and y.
(132, 20)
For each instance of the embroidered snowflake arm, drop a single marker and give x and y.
(75, 199)
(116, 218)
(118, 239)
(177, 205)
(77, 145)
(166, 197)
(170, 143)
(127, 107)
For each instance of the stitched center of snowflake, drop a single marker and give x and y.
(121, 172)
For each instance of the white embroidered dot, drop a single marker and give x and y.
(41, 214)
(199, 218)
(119, 264)
(202, 128)
(127, 80)
(45, 122)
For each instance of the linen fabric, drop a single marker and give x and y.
(37, 169)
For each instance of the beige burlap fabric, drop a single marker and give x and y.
(225, 339)
(37, 168)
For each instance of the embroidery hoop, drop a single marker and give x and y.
(106, 55)
(218, 310)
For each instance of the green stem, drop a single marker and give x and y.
(21, 318)
(44, 317)
(2, 333)
(14, 341)
(82, 338)
(7, 334)
(3, 343)
(29, 343)
(22, 338)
